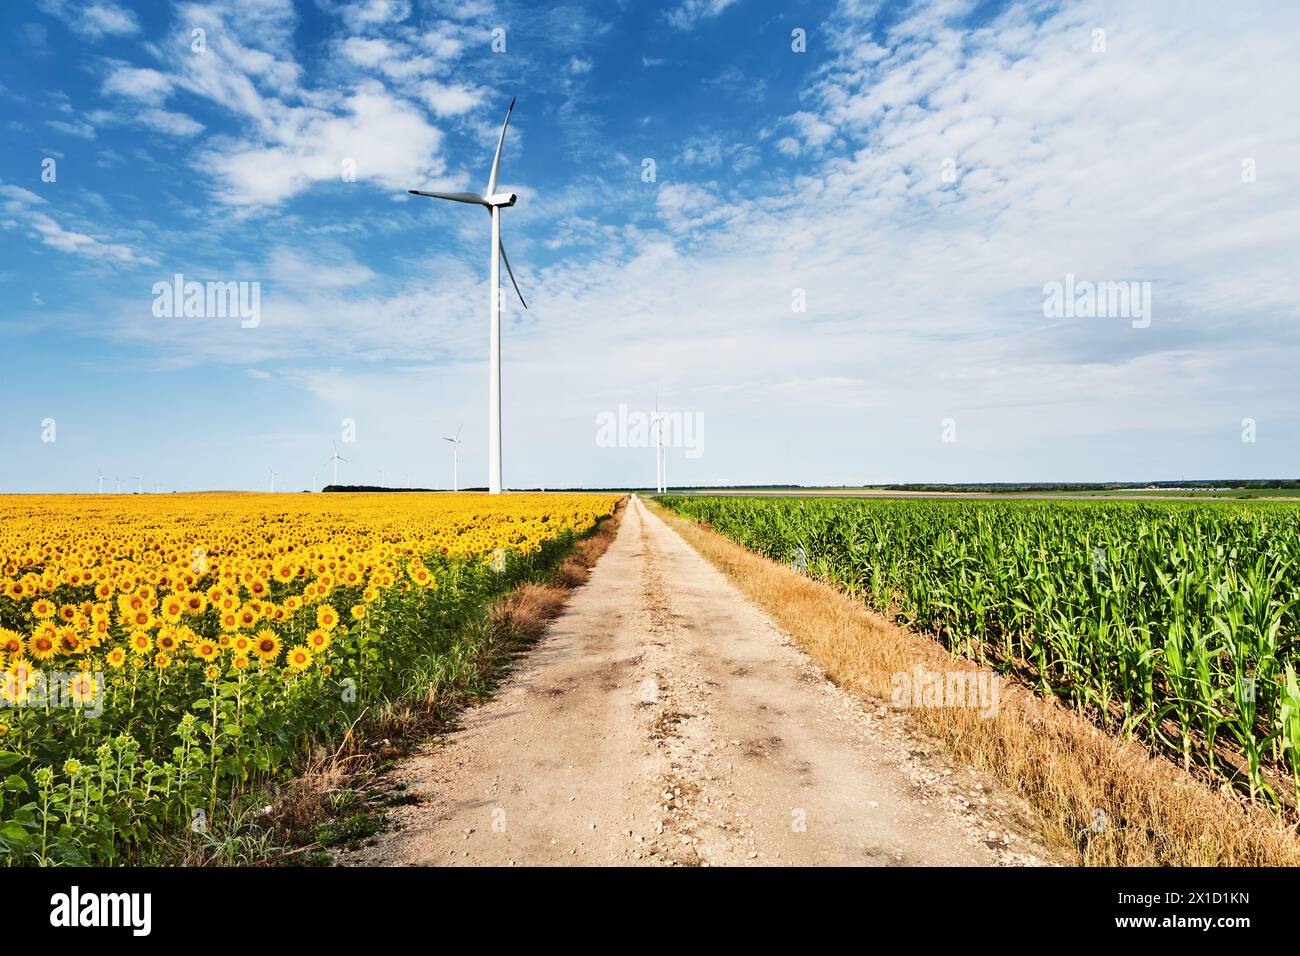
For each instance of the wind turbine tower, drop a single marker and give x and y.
(493, 202)
(455, 459)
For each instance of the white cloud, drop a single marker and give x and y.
(93, 18)
(368, 52)
(386, 139)
(171, 123)
(371, 13)
(141, 84)
(690, 12)
(29, 208)
(75, 128)
(449, 100)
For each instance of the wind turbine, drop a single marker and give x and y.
(335, 459)
(272, 481)
(139, 488)
(101, 480)
(661, 461)
(493, 202)
(119, 485)
(455, 459)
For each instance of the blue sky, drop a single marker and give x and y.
(914, 179)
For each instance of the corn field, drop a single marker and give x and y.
(1173, 623)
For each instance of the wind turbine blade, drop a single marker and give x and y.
(506, 260)
(458, 429)
(474, 199)
(496, 160)
(452, 440)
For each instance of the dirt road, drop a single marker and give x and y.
(664, 720)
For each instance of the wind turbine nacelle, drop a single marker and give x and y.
(501, 199)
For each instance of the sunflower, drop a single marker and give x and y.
(266, 645)
(43, 609)
(172, 608)
(206, 650)
(247, 617)
(318, 640)
(161, 661)
(42, 645)
(239, 662)
(358, 611)
(69, 641)
(116, 658)
(141, 642)
(326, 617)
(168, 641)
(195, 603)
(18, 678)
(213, 672)
(11, 642)
(83, 689)
(299, 658)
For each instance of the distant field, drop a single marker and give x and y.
(1172, 622)
(1136, 494)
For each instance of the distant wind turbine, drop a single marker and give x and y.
(494, 202)
(119, 485)
(272, 481)
(101, 480)
(139, 488)
(455, 459)
(335, 459)
(661, 461)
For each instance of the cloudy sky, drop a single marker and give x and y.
(821, 230)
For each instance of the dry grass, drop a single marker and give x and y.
(1155, 814)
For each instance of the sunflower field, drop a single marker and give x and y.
(159, 654)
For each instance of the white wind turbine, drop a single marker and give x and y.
(334, 460)
(101, 480)
(272, 481)
(494, 202)
(455, 459)
(661, 460)
(139, 488)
